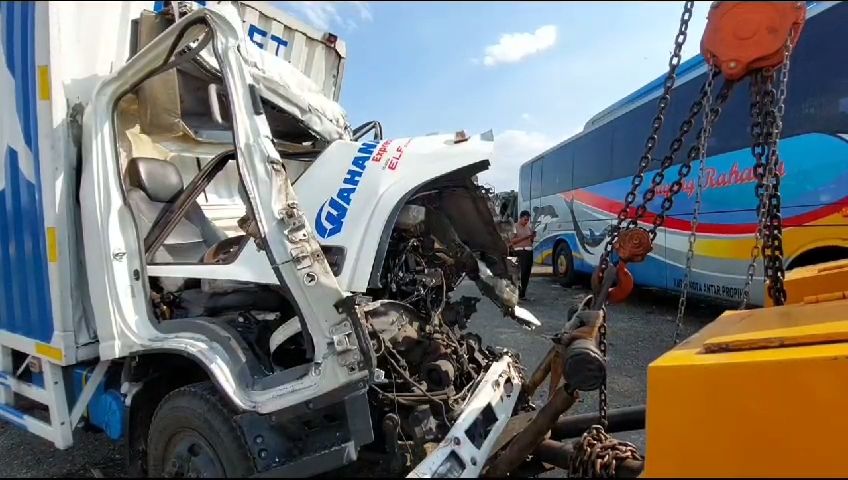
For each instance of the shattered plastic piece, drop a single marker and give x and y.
(526, 318)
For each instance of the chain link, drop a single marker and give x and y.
(630, 197)
(767, 109)
(706, 131)
(651, 142)
(774, 268)
(758, 150)
(668, 159)
(603, 403)
(693, 153)
(596, 454)
(638, 178)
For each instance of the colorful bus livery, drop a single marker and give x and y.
(576, 189)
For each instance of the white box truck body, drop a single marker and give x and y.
(188, 223)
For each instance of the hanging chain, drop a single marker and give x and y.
(693, 153)
(651, 142)
(675, 146)
(603, 403)
(706, 131)
(596, 454)
(758, 150)
(599, 451)
(767, 108)
(774, 268)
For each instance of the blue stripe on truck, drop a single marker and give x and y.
(13, 416)
(25, 303)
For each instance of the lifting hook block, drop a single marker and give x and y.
(622, 290)
(741, 37)
(633, 245)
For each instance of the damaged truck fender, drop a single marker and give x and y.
(365, 187)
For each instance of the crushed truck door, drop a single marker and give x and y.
(115, 256)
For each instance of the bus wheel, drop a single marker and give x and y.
(564, 264)
(193, 434)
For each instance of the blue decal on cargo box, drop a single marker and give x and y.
(331, 216)
(25, 303)
(254, 31)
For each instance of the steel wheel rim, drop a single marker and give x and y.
(189, 455)
(562, 264)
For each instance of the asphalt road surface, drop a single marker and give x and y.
(640, 330)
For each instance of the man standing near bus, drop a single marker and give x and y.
(522, 243)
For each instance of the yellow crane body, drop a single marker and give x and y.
(754, 393)
(823, 282)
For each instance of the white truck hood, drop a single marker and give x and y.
(354, 190)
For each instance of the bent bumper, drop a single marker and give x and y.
(470, 441)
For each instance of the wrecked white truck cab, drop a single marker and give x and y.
(271, 295)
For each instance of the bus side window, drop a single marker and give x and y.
(557, 171)
(536, 179)
(524, 182)
(592, 158)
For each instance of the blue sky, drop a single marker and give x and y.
(533, 72)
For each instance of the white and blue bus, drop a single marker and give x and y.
(575, 190)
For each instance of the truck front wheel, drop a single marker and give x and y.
(193, 434)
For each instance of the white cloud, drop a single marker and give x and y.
(514, 47)
(364, 10)
(330, 15)
(512, 148)
(525, 116)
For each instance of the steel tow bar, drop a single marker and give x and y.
(582, 368)
(602, 286)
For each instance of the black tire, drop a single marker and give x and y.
(563, 264)
(193, 432)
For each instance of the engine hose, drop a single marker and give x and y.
(408, 379)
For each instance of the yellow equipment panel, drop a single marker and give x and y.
(756, 393)
(822, 282)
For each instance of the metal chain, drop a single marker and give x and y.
(693, 153)
(758, 150)
(774, 268)
(767, 110)
(706, 131)
(675, 146)
(630, 198)
(603, 403)
(651, 142)
(596, 455)
(601, 451)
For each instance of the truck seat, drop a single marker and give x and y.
(154, 184)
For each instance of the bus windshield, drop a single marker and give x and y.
(575, 190)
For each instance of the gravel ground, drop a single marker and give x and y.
(639, 331)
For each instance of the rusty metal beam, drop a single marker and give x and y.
(540, 374)
(559, 454)
(528, 439)
(620, 420)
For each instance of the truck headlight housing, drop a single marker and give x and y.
(451, 467)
